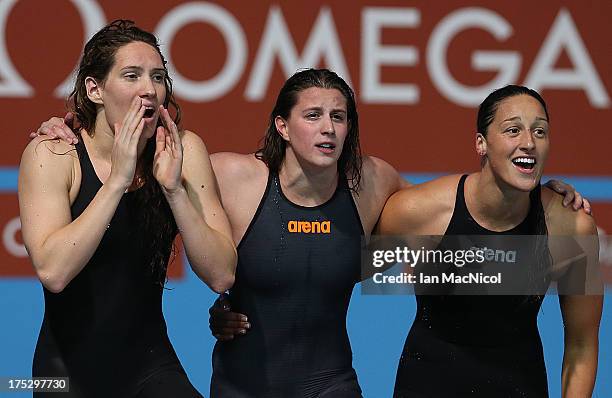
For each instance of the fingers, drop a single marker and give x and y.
(229, 318)
(173, 138)
(224, 323)
(569, 198)
(64, 133)
(130, 120)
(587, 206)
(55, 128)
(228, 322)
(160, 139)
(130, 133)
(117, 127)
(47, 130)
(577, 201)
(136, 136)
(69, 119)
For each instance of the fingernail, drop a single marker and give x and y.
(244, 319)
(248, 326)
(242, 331)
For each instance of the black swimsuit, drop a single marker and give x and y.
(297, 267)
(105, 330)
(475, 346)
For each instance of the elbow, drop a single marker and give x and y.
(52, 281)
(223, 284)
(227, 279)
(53, 284)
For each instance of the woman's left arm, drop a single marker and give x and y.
(581, 319)
(182, 167)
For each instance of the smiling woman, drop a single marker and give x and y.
(522, 122)
(99, 218)
(489, 346)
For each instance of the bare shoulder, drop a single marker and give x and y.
(564, 220)
(52, 158)
(191, 141)
(238, 167)
(379, 176)
(377, 166)
(437, 194)
(52, 150)
(49, 167)
(424, 209)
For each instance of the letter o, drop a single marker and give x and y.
(93, 20)
(236, 49)
(11, 82)
(8, 238)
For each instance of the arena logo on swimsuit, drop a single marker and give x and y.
(309, 227)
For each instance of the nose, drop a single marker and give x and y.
(147, 89)
(328, 126)
(527, 141)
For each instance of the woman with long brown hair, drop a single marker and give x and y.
(99, 219)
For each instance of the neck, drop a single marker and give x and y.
(307, 186)
(496, 205)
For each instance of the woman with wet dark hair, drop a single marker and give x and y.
(483, 345)
(298, 208)
(99, 218)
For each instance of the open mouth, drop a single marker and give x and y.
(328, 146)
(526, 163)
(149, 112)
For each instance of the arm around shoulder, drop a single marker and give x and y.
(423, 209)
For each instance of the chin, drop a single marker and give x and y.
(524, 183)
(326, 163)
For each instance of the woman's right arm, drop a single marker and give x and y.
(59, 247)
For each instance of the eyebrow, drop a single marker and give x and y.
(517, 118)
(320, 109)
(139, 68)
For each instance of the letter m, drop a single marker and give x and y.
(323, 43)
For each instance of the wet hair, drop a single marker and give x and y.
(539, 273)
(272, 152)
(99, 58)
(154, 215)
(488, 107)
